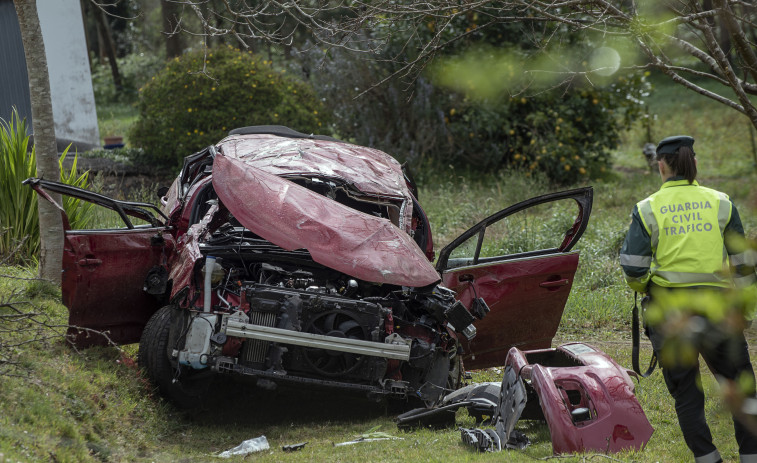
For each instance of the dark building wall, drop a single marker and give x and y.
(14, 81)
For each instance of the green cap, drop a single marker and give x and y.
(671, 144)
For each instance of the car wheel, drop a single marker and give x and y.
(455, 378)
(182, 385)
(447, 382)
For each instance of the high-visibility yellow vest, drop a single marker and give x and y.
(686, 223)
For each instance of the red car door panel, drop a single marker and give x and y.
(104, 274)
(523, 269)
(522, 311)
(105, 270)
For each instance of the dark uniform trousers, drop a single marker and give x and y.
(727, 356)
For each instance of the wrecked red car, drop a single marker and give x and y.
(292, 258)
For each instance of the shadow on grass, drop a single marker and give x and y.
(241, 402)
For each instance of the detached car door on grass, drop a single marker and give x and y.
(520, 261)
(110, 272)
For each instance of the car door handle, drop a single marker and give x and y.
(90, 262)
(554, 284)
(465, 277)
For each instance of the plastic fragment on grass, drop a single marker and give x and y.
(245, 448)
(360, 440)
(372, 435)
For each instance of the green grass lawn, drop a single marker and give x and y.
(58, 404)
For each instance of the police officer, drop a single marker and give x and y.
(681, 241)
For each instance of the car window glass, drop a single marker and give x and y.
(102, 218)
(84, 215)
(466, 250)
(536, 228)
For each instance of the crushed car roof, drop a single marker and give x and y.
(249, 177)
(370, 171)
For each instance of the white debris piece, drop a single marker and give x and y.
(249, 446)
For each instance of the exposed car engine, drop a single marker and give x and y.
(279, 316)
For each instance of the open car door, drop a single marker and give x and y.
(520, 261)
(111, 275)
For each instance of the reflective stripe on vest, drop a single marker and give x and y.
(635, 261)
(748, 257)
(686, 223)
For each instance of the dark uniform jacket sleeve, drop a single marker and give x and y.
(741, 256)
(636, 254)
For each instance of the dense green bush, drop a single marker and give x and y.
(19, 220)
(522, 100)
(196, 99)
(566, 134)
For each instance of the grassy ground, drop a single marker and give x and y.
(58, 404)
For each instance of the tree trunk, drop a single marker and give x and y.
(43, 126)
(106, 41)
(101, 54)
(87, 39)
(170, 12)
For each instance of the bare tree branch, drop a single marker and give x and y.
(739, 38)
(24, 324)
(368, 26)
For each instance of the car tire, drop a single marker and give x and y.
(182, 385)
(453, 382)
(455, 379)
(146, 345)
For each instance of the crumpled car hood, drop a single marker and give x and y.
(370, 171)
(292, 217)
